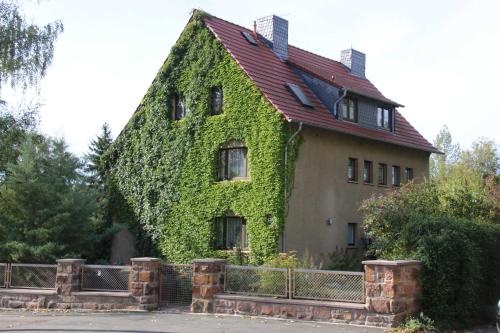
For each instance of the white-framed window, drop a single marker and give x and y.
(384, 118)
(232, 161)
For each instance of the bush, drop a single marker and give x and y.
(344, 261)
(461, 268)
(419, 324)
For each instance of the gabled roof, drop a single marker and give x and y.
(271, 75)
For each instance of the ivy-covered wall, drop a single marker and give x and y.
(166, 170)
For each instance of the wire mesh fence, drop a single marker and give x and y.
(33, 276)
(328, 285)
(257, 281)
(176, 284)
(105, 278)
(3, 275)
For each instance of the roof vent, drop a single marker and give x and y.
(299, 94)
(354, 60)
(275, 30)
(249, 38)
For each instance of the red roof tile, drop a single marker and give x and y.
(270, 75)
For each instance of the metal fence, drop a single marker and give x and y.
(257, 281)
(328, 285)
(3, 275)
(295, 283)
(105, 278)
(176, 284)
(32, 276)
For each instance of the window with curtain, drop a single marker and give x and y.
(384, 118)
(178, 107)
(408, 175)
(216, 103)
(349, 109)
(352, 170)
(351, 234)
(232, 161)
(396, 176)
(382, 174)
(230, 233)
(367, 172)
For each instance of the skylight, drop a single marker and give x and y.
(299, 94)
(249, 38)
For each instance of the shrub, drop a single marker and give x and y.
(421, 324)
(461, 268)
(344, 261)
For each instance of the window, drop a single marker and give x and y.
(382, 174)
(299, 94)
(396, 177)
(216, 101)
(367, 172)
(178, 107)
(249, 38)
(384, 118)
(232, 161)
(352, 166)
(351, 234)
(349, 109)
(408, 175)
(230, 232)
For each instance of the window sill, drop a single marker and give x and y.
(369, 184)
(244, 251)
(241, 179)
(352, 181)
(352, 247)
(396, 186)
(383, 185)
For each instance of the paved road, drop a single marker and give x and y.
(17, 321)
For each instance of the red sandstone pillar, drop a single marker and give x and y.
(145, 282)
(69, 276)
(392, 289)
(208, 277)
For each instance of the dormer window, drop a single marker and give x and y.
(349, 109)
(384, 118)
(178, 107)
(216, 101)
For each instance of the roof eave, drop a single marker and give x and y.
(433, 150)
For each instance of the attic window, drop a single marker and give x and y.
(249, 38)
(299, 94)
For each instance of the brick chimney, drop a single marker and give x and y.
(354, 60)
(275, 30)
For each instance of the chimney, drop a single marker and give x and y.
(354, 60)
(275, 30)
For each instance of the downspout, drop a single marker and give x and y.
(336, 103)
(286, 176)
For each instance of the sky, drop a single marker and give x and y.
(441, 59)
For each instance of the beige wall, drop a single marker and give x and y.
(321, 189)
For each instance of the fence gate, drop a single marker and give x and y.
(175, 284)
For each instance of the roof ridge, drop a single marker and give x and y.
(316, 54)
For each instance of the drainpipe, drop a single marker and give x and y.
(335, 104)
(286, 172)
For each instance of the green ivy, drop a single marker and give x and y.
(166, 170)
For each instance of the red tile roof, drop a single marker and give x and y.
(270, 74)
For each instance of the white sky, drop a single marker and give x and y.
(441, 59)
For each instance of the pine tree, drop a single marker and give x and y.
(45, 206)
(102, 220)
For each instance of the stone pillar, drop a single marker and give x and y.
(69, 276)
(145, 282)
(208, 280)
(392, 289)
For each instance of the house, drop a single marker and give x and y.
(244, 141)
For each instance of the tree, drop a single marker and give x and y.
(483, 157)
(45, 205)
(26, 50)
(439, 163)
(95, 166)
(15, 124)
(97, 179)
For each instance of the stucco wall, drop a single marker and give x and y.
(321, 190)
